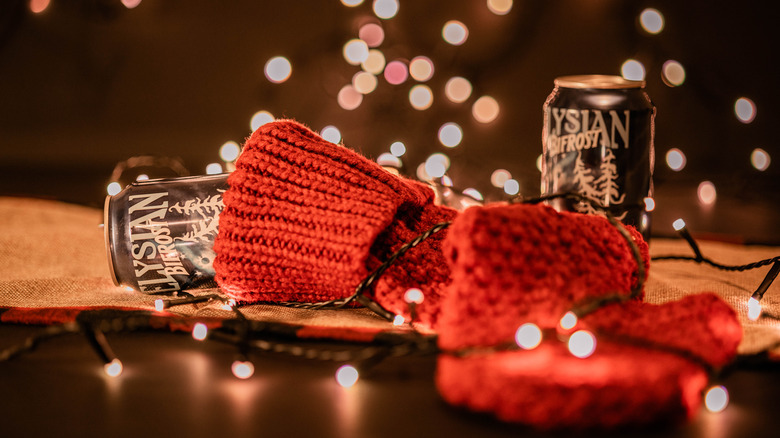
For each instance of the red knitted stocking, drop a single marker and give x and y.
(527, 263)
(306, 220)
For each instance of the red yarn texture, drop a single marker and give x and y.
(517, 263)
(513, 264)
(306, 220)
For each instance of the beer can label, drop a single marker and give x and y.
(599, 143)
(160, 233)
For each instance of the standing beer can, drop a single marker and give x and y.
(597, 141)
(160, 233)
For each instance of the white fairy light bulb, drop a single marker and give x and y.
(229, 151)
(414, 295)
(528, 336)
(582, 344)
(347, 376)
(716, 399)
(243, 369)
(678, 225)
(200, 331)
(159, 305)
(754, 309)
(113, 368)
(568, 321)
(113, 188)
(399, 320)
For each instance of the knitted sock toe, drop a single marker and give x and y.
(306, 220)
(516, 263)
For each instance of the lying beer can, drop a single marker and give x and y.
(160, 233)
(598, 141)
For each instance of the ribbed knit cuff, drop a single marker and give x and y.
(306, 220)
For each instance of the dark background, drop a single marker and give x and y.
(88, 83)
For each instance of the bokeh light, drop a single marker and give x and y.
(499, 177)
(142, 177)
(386, 9)
(421, 97)
(242, 369)
(349, 98)
(278, 69)
(421, 68)
(113, 368)
(389, 160)
(649, 204)
(745, 110)
(355, 51)
(437, 165)
(259, 119)
(528, 336)
(485, 109)
(372, 34)
(396, 72)
(398, 148)
(651, 20)
(364, 82)
(474, 193)
(414, 295)
(200, 331)
(716, 399)
(675, 159)
(673, 73)
(499, 7)
(374, 63)
(582, 344)
(707, 193)
(539, 162)
(331, 134)
(113, 188)
(450, 134)
(213, 169)
(760, 159)
(38, 6)
(455, 32)
(568, 321)
(633, 70)
(347, 376)
(458, 89)
(229, 151)
(130, 4)
(511, 187)
(351, 3)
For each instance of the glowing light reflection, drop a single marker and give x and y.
(398, 149)
(355, 51)
(331, 134)
(716, 399)
(349, 98)
(38, 6)
(278, 69)
(213, 169)
(651, 20)
(745, 110)
(259, 119)
(499, 177)
(364, 82)
(421, 97)
(421, 68)
(455, 32)
(511, 187)
(396, 72)
(675, 159)
(633, 70)
(347, 376)
(528, 336)
(499, 7)
(673, 73)
(707, 193)
(760, 159)
(582, 344)
(485, 109)
(458, 89)
(229, 151)
(450, 134)
(113, 188)
(386, 9)
(372, 34)
(374, 63)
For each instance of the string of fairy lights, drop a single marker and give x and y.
(243, 332)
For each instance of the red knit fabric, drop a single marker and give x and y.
(549, 388)
(306, 220)
(524, 263)
(515, 263)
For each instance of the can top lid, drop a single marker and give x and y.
(597, 81)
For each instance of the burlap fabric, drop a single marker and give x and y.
(53, 255)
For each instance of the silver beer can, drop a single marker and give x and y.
(160, 233)
(597, 141)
